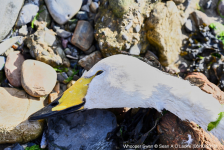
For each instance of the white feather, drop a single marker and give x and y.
(129, 82)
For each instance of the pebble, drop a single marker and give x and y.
(72, 57)
(70, 84)
(75, 77)
(127, 46)
(82, 15)
(129, 25)
(73, 63)
(8, 43)
(15, 146)
(43, 143)
(57, 88)
(16, 107)
(89, 51)
(9, 10)
(62, 33)
(85, 8)
(23, 31)
(94, 7)
(61, 77)
(62, 11)
(28, 12)
(201, 18)
(90, 60)
(13, 68)
(188, 26)
(125, 37)
(52, 97)
(135, 50)
(2, 62)
(137, 28)
(64, 42)
(68, 51)
(38, 79)
(44, 15)
(220, 8)
(83, 35)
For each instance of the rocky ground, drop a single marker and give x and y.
(45, 46)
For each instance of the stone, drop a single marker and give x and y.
(91, 126)
(44, 15)
(83, 35)
(61, 77)
(2, 62)
(200, 80)
(82, 15)
(61, 53)
(72, 57)
(52, 97)
(220, 8)
(200, 18)
(16, 107)
(28, 12)
(189, 26)
(94, 7)
(38, 79)
(186, 135)
(177, 2)
(13, 68)
(70, 84)
(89, 51)
(164, 31)
(135, 50)
(23, 31)
(62, 33)
(62, 11)
(67, 51)
(121, 21)
(90, 60)
(64, 43)
(16, 146)
(8, 51)
(9, 11)
(57, 88)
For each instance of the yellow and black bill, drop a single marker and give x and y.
(47, 111)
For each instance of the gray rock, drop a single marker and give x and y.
(44, 15)
(89, 51)
(85, 130)
(125, 37)
(72, 57)
(201, 18)
(94, 7)
(49, 37)
(177, 2)
(137, 28)
(127, 46)
(61, 77)
(62, 11)
(82, 15)
(23, 31)
(2, 62)
(62, 33)
(220, 8)
(67, 51)
(28, 12)
(85, 8)
(16, 146)
(188, 26)
(129, 25)
(89, 61)
(135, 50)
(9, 10)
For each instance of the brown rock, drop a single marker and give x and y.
(83, 35)
(57, 87)
(90, 60)
(164, 31)
(177, 2)
(200, 80)
(16, 106)
(185, 135)
(200, 18)
(13, 67)
(52, 97)
(38, 79)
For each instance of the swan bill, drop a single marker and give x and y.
(72, 100)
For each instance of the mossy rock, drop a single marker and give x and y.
(120, 7)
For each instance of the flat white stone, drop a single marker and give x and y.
(63, 10)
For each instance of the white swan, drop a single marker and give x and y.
(124, 81)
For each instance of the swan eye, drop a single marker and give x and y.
(99, 72)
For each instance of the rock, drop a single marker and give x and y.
(135, 50)
(8, 51)
(61, 53)
(75, 77)
(90, 126)
(72, 57)
(13, 68)
(9, 11)
(16, 146)
(90, 60)
(82, 15)
(177, 2)
(200, 80)
(68, 51)
(164, 31)
(122, 22)
(16, 107)
(44, 15)
(38, 79)
(28, 12)
(62, 33)
(62, 11)
(64, 43)
(57, 88)
(83, 35)
(89, 51)
(23, 31)
(189, 26)
(200, 18)
(2, 62)
(70, 83)
(186, 135)
(52, 97)
(43, 45)
(220, 8)
(61, 77)
(94, 7)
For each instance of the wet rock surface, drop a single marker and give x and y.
(79, 127)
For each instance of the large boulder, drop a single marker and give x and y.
(38, 79)
(13, 68)
(120, 26)
(16, 106)
(9, 11)
(164, 31)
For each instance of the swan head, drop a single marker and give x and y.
(113, 82)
